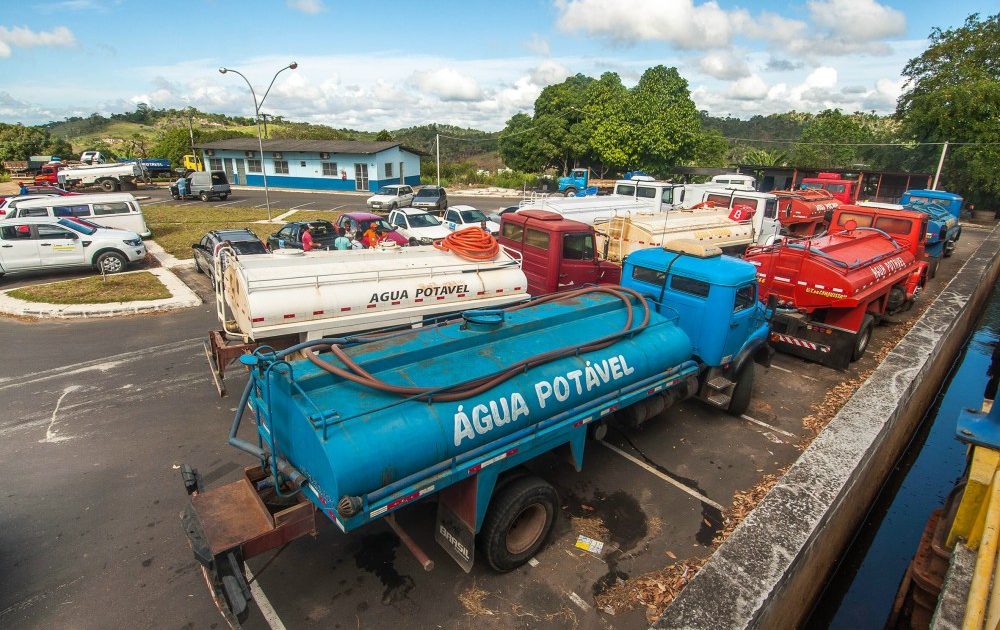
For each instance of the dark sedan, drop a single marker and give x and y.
(324, 234)
(431, 198)
(243, 241)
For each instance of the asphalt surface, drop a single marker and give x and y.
(99, 416)
(283, 200)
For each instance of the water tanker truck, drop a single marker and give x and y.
(289, 296)
(832, 290)
(364, 426)
(942, 230)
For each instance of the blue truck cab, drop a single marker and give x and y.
(950, 201)
(575, 182)
(942, 228)
(715, 300)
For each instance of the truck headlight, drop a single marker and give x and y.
(135, 242)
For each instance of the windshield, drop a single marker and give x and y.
(77, 227)
(423, 220)
(249, 247)
(428, 192)
(812, 185)
(473, 216)
(389, 190)
(87, 223)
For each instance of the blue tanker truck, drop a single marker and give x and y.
(363, 426)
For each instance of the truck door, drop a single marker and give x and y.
(578, 263)
(59, 246)
(742, 323)
(18, 247)
(537, 263)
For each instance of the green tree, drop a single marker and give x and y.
(825, 135)
(520, 147)
(384, 136)
(953, 94)
(18, 142)
(174, 144)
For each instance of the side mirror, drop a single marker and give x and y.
(772, 301)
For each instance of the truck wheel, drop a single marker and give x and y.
(111, 262)
(518, 522)
(932, 267)
(108, 185)
(570, 192)
(203, 196)
(197, 266)
(224, 196)
(863, 338)
(739, 402)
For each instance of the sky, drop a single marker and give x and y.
(470, 63)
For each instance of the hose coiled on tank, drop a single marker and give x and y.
(461, 391)
(473, 244)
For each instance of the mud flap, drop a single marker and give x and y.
(826, 345)
(454, 528)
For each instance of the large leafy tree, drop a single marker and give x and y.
(953, 94)
(18, 142)
(521, 148)
(826, 135)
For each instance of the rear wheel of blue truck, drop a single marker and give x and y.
(518, 522)
(739, 402)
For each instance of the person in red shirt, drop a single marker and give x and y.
(307, 239)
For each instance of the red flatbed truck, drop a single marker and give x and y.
(832, 290)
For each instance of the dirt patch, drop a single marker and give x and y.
(472, 600)
(589, 526)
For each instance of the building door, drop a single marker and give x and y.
(229, 163)
(402, 176)
(360, 177)
(241, 172)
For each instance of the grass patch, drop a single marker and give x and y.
(126, 287)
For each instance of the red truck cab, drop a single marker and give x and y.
(843, 190)
(907, 227)
(49, 174)
(557, 254)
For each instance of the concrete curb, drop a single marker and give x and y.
(181, 297)
(166, 259)
(770, 570)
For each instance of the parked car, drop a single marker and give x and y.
(462, 217)
(391, 197)
(417, 224)
(431, 198)
(113, 210)
(9, 204)
(359, 221)
(204, 185)
(38, 244)
(290, 236)
(243, 241)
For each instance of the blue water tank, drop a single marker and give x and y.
(350, 439)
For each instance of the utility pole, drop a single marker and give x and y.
(944, 151)
(191, 135)
(437, 144)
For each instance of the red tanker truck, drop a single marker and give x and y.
(802, 213)
(830, 291)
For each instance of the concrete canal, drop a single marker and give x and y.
(860, 594)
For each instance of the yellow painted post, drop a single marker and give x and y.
(985, 562)
(972, 508)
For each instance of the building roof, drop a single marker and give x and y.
(306, 146)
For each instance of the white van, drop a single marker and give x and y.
(113, 210)
(765, 205)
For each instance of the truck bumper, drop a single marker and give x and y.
(826, 345)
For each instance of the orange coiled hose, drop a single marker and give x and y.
(470, 244)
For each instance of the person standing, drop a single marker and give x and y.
(342, 242)
(359, 240)
(371, 236)
(307, 238)
(22, 190)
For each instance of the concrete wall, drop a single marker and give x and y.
(771, 569)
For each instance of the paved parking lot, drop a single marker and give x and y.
(99, 416)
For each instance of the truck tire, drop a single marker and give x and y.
(739, 402)
(108, 185)
(518, 522)
(392, 206)
(224, 196)
(570, 192)
(111, 262)
(863, 338)
(203, 196)
(932, 267)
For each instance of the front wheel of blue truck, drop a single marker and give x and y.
(518, 522)
(742, 391)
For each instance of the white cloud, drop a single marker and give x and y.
(751, 88)
(548, 72)
(864, 20)
(682, 23)
(448, 85)
(538, 45)
(823, 77)
(723, 64)
(24, 37)
(312, 7)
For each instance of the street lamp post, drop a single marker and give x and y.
(256, 110)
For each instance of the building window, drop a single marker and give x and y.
(388, 170)
(330, 169)
(253, 165)
(215, 164)
(302, 163)
(281, 167)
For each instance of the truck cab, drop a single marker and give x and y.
(557, 254)
(843, 190)
(709, 292)
(645, 188)
(575, 182)
(907, 227)
(951, 201)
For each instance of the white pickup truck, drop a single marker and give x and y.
(41, 244)
(109, 177)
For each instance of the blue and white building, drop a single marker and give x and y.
(314, 164)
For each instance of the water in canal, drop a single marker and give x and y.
(861, 592)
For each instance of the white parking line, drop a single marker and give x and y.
(228, 203)
(778, 367)
(308, 203)
(641, 464)
(264, 604)
(260, 205)
(153, 203)
(281, 217)
(338, 207)
(769, 427)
